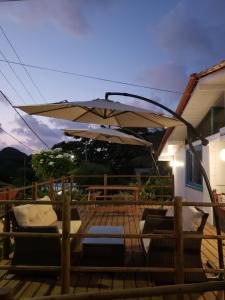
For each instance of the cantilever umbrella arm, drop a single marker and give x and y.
(191, 131)
(177, 116)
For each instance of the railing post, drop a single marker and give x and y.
(6, 244)
(172, 186)
(179, 242)
(34, 190)
(51, 189)
(105, 185)
(71, 187)
(65, 287)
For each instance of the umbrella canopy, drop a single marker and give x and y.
(107, 135)
(103, 112)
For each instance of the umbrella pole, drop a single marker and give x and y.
(191, 132)
(150, 148)
(154, 162)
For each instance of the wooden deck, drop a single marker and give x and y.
(83, 282)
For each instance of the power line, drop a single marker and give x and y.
(17, 77)
(12, 87)
(20, 60)
(40, 139)
(14, 138)
(93, 77)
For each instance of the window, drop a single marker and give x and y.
(193, 170)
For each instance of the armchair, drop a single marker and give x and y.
(38, 218)
(161, 252)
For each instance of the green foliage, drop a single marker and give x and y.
(157, 188)
(88, 168)
(52, 163)
(120, 158)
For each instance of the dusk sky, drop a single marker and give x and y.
(155, 43)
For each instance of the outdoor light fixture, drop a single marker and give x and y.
(222, 154)
(191, 133)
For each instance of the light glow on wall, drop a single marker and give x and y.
(222, 154)
(176, 163)
(170, 149)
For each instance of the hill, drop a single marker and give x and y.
(15, 167)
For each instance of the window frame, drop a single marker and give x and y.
(189, 183)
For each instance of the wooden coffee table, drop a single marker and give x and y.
(104, 251)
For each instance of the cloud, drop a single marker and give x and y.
(59, 123)
(168, 76)
(69, 14)
(49, 135)
(192, 32)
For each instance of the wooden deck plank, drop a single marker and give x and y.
(29, 289)
(107, 278)
(96, 281)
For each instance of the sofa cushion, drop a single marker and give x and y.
(191, 217)
(35, 214)
(74, 226)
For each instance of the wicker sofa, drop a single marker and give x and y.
(161, 252)
(40, 218)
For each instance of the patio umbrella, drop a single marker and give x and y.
(107, 135)
(112, 136)
(103, 112)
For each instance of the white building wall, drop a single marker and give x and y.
(217, 166)
(214, 167)
(179, 172)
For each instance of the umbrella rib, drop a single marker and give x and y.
(49, 110)
(118, 122)
(111, 113)
(87, 111)
(76, 133)
(161, 125)
(132, 112)
(121, 140)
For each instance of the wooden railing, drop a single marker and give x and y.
(158, 187)
(178, 235)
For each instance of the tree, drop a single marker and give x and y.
(118, 157)
(52, 163)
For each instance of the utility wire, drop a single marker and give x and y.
(20, 60)
(7, 99)
(12, 87)
(17, 77)
(94, 77)
(14, 138)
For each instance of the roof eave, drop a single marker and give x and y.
(193, 80)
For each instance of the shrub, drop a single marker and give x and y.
(52, 163)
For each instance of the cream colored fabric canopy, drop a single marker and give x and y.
(103, 112)
(107, 135)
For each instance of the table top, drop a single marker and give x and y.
(105, 241)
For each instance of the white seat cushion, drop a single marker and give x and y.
(74, 226)
(191, 217)
(35, 214)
